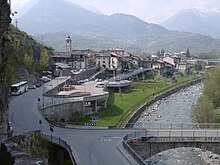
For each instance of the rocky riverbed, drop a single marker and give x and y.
(185, 156)
(176, 111)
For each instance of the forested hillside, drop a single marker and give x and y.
(27, 58)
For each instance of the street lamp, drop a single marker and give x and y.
(51, 131)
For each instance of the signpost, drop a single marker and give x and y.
(95, 118)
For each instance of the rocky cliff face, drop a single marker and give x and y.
(4, 25)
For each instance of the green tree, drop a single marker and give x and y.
(203, 111)
(28, 61)
(44, 60)
(12, 62)
(212, 86)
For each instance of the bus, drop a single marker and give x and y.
(19, 88)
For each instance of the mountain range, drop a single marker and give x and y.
(52, 20)
(206, 22)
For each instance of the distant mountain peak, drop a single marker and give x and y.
(196, 20)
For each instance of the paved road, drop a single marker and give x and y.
(129, 74)
(96, 147)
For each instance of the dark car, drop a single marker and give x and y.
(39, 84)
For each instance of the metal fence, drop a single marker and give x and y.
(204, 135)
(148, 125)
(62, 143)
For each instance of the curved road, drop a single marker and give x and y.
(96, 147)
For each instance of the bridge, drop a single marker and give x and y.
(137, 72)
(155, 140)
(158, 137)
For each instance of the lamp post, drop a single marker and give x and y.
(51, 131)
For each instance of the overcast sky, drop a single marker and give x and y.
(154, 11)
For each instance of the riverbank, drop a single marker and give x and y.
(175, 109)
(172, 111)
(158, 99)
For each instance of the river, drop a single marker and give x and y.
(175, 109)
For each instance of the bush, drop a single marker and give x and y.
(203, 111)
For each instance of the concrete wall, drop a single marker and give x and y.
(76, 109)
(64, 112)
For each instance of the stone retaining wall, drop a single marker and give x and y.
(64, 112)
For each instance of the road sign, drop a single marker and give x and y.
(95, 118)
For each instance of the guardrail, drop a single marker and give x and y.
(133, 153)
(202, 135)
(62, 143)
(148, 125)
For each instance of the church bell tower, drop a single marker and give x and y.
(68, 44)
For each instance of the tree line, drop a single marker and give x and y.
(204, 111)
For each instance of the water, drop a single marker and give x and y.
(175, 109)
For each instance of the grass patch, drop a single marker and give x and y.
(125, 104)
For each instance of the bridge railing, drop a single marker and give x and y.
(62, 143)
(155, 125)
(169, 135)
(203, 135)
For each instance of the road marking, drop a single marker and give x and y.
(105, 140)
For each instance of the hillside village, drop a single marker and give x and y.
(117, 61)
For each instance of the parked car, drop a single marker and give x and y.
(86, 80)
(32, 86)
(100, 84)
(45, 79)
(39, 84)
